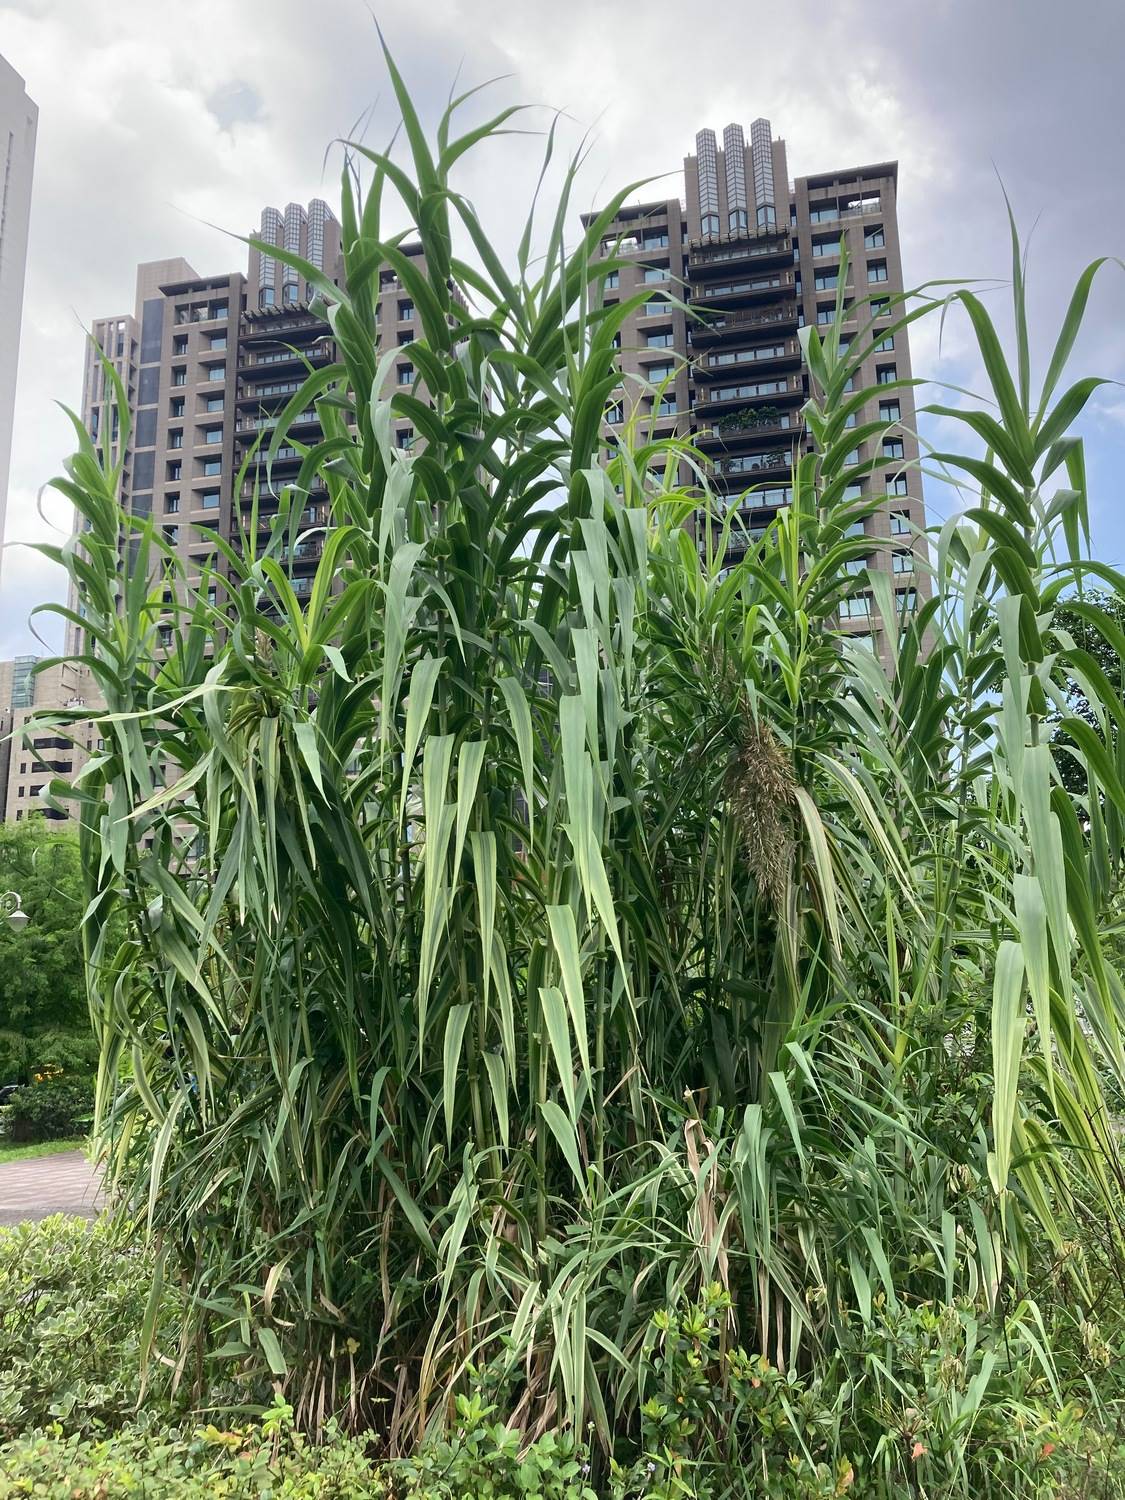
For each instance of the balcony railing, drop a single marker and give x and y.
(724, 395)
(751, 286)
(762, 232)
(780, 461)
(737, 361)
(750, 426)
(708, 255)
(310, 352)
(256, 424)
(744, 317)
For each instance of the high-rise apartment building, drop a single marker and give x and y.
(756, 257)
(207, 365)
(31, 759)
(18, 121)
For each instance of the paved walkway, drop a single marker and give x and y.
(42, 1185)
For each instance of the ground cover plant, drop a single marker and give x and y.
(547, 961)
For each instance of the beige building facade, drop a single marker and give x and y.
(33, 755)
(756, 257)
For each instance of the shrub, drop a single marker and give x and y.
(194, 1464)
(924, 1400)
(73, 1302)
(50, 1111)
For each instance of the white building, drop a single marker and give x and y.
(18, 118)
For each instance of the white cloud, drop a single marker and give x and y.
(158, 121)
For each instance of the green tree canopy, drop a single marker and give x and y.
(44, 1019)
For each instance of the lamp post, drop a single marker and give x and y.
(11, 906)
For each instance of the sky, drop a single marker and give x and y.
(163, 130)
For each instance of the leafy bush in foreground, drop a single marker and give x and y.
(250, 1463)
(74, 1304)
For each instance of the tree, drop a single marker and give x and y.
(1096, 622)
(44, 1016)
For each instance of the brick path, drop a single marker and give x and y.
(42, 1185)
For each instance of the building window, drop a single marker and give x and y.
(880, 307)
(612, 281)
(404, 438)
(892, 448)
(826, 247)
(217, 341)
(710, 224)
(179, 344)
(290, 292)
(657, 239)
(653, 275)
(213, 594)
(217, 372)
(737, 220)
(858, 607)
(658, 341)
(907, 598)
(218, 310)
(827, 281)
(886, 374)
(212, 467)
(177, 407)
(179, 377)
(175, 469)
(665, 407)
(209, 499)
(171, 504)
(825, 314)
(824, 213)
(266, 297)
(897, 485)
(890, 411)
(171, 533)
(214, 403)
(873, 238)
(884, 346)
(849, 420)
(852, 458)
(657, 373)
(900, 523)
(877, 270)
(655, 310)
(212, 434)
(615, 414)
(176, 439)
(405, 310)
(405, 374)
(902, 562)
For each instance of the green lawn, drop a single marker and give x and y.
(38, 1148)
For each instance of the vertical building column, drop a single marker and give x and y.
(294, 232)
(270, 234)
(761, 153)
(706, 153)
(734, 162)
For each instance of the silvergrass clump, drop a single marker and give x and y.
(449, 861)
